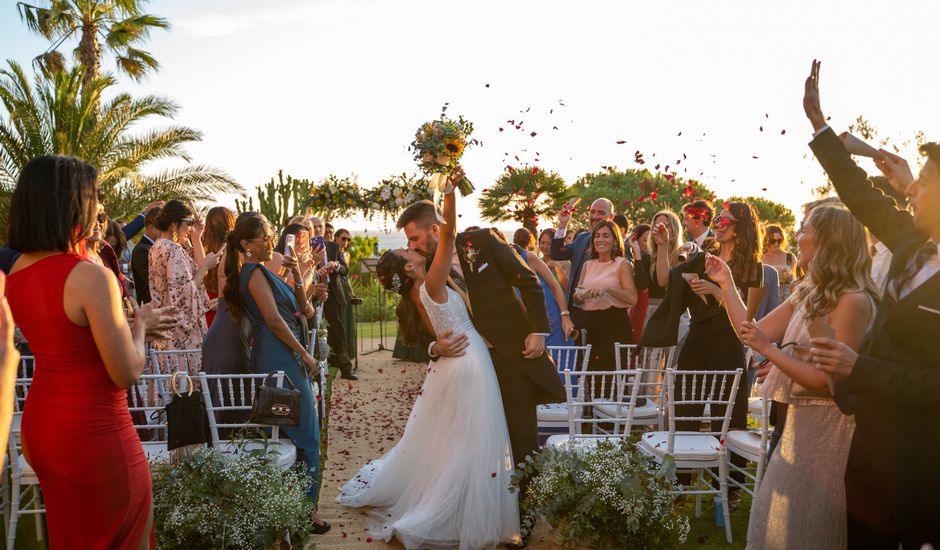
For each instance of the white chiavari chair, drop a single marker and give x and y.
(553, 417)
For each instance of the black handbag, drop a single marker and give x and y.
(186, 418)
(276, 406)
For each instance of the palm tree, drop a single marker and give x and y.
(53, 116)
(119, 23)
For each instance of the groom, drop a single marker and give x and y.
(488, 269)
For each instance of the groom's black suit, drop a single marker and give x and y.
(492, 269)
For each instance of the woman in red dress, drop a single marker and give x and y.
(220, 221)
(77, 432)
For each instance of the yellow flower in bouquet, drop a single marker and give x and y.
(438, 146)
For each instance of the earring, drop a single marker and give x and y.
(175, 236)
(248, 254)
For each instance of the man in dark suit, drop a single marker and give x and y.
(487, 270)
(335, 307)
(893, 383)
(140, 256)
(578, 251)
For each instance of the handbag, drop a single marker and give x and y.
(276, 406)
(186, 418)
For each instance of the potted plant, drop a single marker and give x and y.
(229, 501)
(607, 495)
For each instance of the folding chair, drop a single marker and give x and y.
(697, 451)
(649, 401)
(24, 492)
(175, 360)
(753, 446)
(553, 417)
(147, 401)
(586, 390)
(225, 393)
(319, 388)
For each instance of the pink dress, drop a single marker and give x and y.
(172, 283)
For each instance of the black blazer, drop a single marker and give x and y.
(140, 269)
(337, 292)
(492, 269)
(896, 380)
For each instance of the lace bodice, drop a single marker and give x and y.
(451, 315)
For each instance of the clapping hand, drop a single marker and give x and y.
(811, 98)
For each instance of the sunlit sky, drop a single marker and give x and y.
(338, 86)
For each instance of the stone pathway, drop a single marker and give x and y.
(367, 417)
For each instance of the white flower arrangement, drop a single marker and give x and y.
(216, 500)
(608, 495)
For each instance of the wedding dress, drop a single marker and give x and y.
(445, 483)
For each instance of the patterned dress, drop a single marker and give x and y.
(172, 284)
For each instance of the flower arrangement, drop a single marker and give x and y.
(608, 495)
(438, 146)
(335, 197)
(393, 194)
(216, 500)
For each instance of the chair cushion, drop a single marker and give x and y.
(753, 406)
(645, 409)
(553, 412)
(687, 446)
(746, 441)
(282, 452)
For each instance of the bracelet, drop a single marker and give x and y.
(565, 313)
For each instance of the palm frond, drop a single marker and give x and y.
(196, 183)
(123, 34)
(48, 22)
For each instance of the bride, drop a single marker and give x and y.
(446, 482)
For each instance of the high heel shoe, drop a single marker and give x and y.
(322, 528)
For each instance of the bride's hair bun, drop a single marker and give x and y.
(391, 273)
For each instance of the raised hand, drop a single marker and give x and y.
(895, 169)
(565, 215)
(660, 234)
(753, 337)
(811, 98)
(718, 271)
(454, 178)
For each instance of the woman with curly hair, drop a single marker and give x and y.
(801, 502)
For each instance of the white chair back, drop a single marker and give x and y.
(175, 360)
(233, 392)
(573, 358)
(611, 390)
(705, 390)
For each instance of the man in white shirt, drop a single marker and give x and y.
(697, 219)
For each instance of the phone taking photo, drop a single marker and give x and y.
(317, 243)
(290, 243)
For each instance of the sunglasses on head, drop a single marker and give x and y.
(723, 222)
(102, 217)
(190, 221)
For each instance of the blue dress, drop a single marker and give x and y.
(557, 336)
(269, 354)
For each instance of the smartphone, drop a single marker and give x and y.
(317, 243)
(290, 244)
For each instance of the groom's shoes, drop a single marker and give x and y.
(346, 373)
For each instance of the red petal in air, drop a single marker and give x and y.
(535, 170)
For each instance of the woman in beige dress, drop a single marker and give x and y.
(801, 501)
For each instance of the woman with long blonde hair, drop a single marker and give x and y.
(801, 502)
(663, 243)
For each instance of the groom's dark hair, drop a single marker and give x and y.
(423, 213)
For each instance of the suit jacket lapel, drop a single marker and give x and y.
(916, 297)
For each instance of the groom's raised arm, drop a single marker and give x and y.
(518, 274)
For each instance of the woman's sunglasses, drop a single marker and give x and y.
(102, 217)
(345, 239)
(723, 222)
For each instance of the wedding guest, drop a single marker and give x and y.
(175, 279)
(76, 428)
(697, 218)
(577, 252)
(604, 292)
(343, 238)
(335, 308)
(219, 223)
(274, 310)
(140, 256)
(663, 245)
(801, 503)
(623, 224)
(637, 241)
(711, 343)
(892, 382)
(559, 318)
(114, 236)
(559, 269)
(9, 362)
(100, 252)
(328, 232)
(133, 227)
(775, 255)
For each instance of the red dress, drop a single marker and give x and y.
(92, 469)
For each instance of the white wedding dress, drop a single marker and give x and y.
(446, 483)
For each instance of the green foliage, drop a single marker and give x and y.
(279, 201)
(55, 115)
(770, 212)
(638, 194)
(122, 25)
(609, 496)
(215, 500)
(376, 302)
(523, 196)
(361, 247)
(334, 197)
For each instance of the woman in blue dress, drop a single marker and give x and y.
(276, 312)
(555, 302)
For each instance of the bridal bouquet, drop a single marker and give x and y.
(438, 146)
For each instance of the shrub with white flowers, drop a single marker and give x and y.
(216, 500)
(609, 496)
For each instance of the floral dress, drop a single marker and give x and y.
(172, 284)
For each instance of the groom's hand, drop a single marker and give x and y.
(449, 344)
(534, 346)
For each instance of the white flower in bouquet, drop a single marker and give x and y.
(386, 194)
